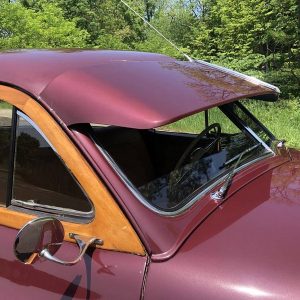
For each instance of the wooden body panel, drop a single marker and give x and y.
(109, 223)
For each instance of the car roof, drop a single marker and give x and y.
(124, 88)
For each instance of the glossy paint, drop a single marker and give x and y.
(247, 249)
(161, 235)
(152, 90)
(99, 275)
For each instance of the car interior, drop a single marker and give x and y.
(168, 167)
(146, 154)
(143, 154)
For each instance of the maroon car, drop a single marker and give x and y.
(130, 175)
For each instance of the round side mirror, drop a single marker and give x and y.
(37, 235)
(42, 237)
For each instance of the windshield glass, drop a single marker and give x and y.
(170, 166)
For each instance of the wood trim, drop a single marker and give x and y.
(109, 223)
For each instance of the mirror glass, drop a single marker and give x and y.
(36, 235)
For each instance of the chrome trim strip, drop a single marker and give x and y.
(142, 199)
(249, 129)
(258, 138)
(197, 197)
(51, 209)
(26, 118)
(248, 78)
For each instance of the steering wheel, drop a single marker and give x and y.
(196, 153)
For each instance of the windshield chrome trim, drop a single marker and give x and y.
(258, 138)
(199, 195)
(193, 200)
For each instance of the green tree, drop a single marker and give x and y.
(175, 22)
(21, 27)
(259, 37)
(110, 23)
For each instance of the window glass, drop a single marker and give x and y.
(171, 165)
(247, 118)
(216, 116)
(196, 122)
(5, 136)
(189, 124)
(41, 180)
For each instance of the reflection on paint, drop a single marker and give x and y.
(251, 291)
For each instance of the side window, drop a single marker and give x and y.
(215, 115)
(190, 124)
(40, 179)
(5, 139)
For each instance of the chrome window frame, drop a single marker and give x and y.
(64, 213)
(137, 194)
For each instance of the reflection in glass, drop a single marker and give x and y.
(149, 158)
(37, 235)
(5, 138)
(173, 190)
(40, 177)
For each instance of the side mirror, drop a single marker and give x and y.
(42, 237)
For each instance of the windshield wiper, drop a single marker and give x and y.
(220, 194)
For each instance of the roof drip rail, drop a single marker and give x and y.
(158, 32)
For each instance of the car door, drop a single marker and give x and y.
(43, 174)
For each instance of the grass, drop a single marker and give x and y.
(281, 118)
(4, 105)
(191, 124)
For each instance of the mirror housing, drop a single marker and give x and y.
(42, 237)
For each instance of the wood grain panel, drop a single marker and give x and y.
(109, 223)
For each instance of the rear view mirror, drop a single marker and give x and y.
(42, 237)
(37, 235)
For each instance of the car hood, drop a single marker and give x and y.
(250, 245)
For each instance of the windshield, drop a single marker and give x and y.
(172, 165)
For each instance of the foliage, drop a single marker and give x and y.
(282, 119)
(258, 37)
(109, 23)
(255, 36)
(47, 28)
